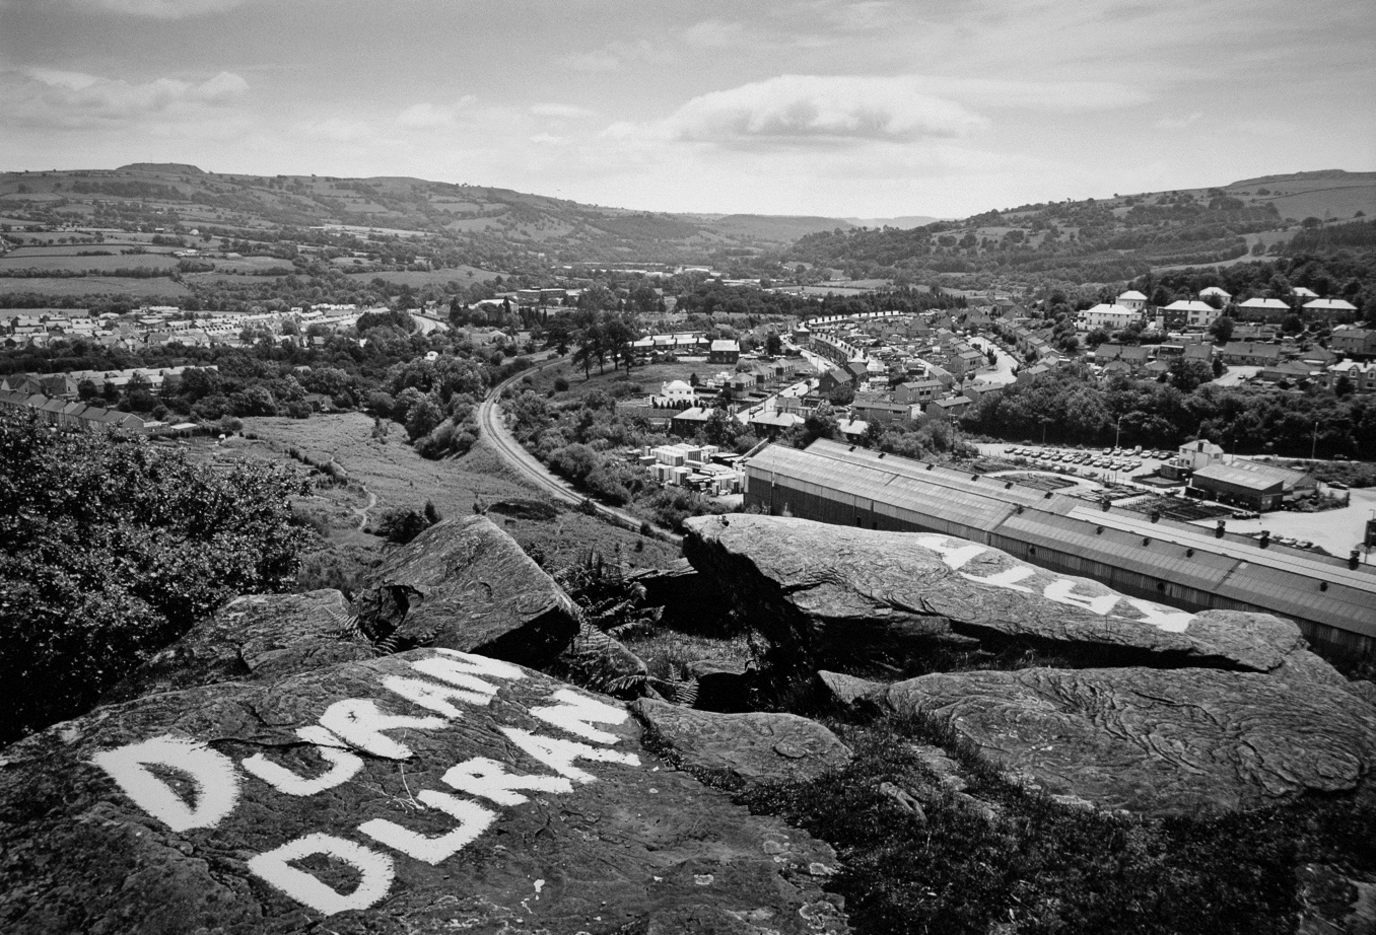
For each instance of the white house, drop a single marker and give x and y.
(1197, 314)
(1215, 292)
(1108, 317)
(1329, 307)
(1132, 299)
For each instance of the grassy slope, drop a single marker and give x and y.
(400, 478)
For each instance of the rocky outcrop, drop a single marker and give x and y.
(833, 596)
(755, 747)
(465, 584)
(258, 636)
(426, 791)
(1154, 741)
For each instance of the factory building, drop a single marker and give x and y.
(1333, 600)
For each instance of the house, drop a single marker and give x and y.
(832, 379)
(724, 352)
(1286, 371)
(880, 410)
(772, 424)
(1134, 355)
(1213, 292)
(1354, 342)
(1204, 352)
(1264, 309)
(1132, 300)
(689, 422)
(1028, 375)
(1198, 454)
(1108, 317)
(1196, 314)
(1330, 308)
(673, 393)
(918, 392)
(1242, 353)
(952, 408)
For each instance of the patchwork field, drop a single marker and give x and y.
(158, 286)
(51, 261)
(390, 475)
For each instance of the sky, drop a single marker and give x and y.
(864, 109)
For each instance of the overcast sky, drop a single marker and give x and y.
(868, 109)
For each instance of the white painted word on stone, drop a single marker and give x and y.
(1061, 589)
(451, 683)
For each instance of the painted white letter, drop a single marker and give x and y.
(1062, 591)
(217, 782)
(489, 779)
(559, 754)
(346, 765)
(358, 721)
(574, 712)
(430, 695)
(473, 821)
(1172, 621)
(375, 868)
(1005, 579)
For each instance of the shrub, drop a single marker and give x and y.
(561, 384)
(401, 525)
(110, 548)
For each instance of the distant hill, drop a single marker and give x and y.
(1109, 239)
(493, 227)
(911, 220)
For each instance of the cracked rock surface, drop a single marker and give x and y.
(1155, 741)
(758, 746)
(587, 833)
(829, 595)
(465, 584)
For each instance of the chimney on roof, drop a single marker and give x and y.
(1353, 559)
(1265, 538)
(1218, 533)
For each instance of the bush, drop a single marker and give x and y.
(401, 525)
(110, 548)
(561, 384)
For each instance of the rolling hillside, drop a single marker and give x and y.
(490, 227)
(1110, 239)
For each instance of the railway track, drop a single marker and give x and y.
(495, 435)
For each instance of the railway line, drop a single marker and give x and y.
(497, 437)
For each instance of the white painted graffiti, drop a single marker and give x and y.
(1061, 590)
(456, 682)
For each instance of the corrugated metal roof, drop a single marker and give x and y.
(1300, 596)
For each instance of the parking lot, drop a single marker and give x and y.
(1104, 465)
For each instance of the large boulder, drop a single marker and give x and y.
(257, 636)
(431, 790)
(837, 596)
(757, 747)
(1154, 741)
(465, 584)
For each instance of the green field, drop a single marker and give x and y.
(400, 478)
(649, 377)
(49, 261)
(95, 285)
(434, 277)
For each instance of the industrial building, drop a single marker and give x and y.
(1333, 600)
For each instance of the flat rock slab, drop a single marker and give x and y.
(1156, 741)
(832, 594)
(422, 792)
(257, 636)
(465, 584)
(759, 746)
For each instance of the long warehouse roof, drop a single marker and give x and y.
(1288, 581)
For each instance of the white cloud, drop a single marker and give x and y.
(427, 116)
(715, 34)
(162, 9)
(1179, 123)
(560, 111)
(597, 60)
(69, 99)
(339, 130)
(810, 110)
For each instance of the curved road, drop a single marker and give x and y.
(492, 426)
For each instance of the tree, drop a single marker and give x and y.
(773, 344)
(1222, 329)
(110, 548)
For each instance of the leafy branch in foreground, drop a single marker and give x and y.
(110, 547)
